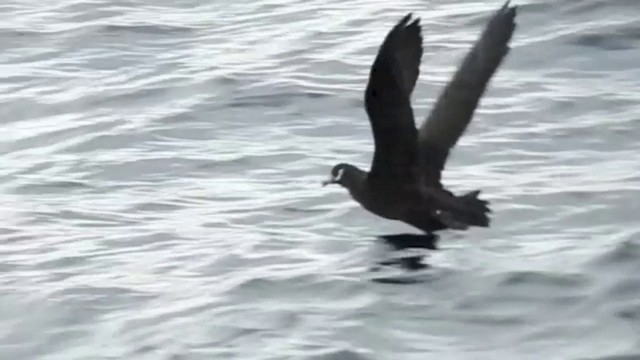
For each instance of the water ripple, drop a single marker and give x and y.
(162, 199)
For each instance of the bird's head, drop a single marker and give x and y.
(344, 174)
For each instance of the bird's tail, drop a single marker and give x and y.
(473, 210)
(461, 212)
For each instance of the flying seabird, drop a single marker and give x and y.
(404, 182)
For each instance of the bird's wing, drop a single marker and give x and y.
(388, 105)
(455, 107)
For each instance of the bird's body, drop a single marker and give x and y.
(411, 202)
(404, 180)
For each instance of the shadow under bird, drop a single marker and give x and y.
(404, 182)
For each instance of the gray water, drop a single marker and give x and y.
(161, 198)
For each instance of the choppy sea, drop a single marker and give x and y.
(160, 184)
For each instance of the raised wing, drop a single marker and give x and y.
(387, 101)
(455, 106)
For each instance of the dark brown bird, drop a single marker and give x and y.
(404, 181)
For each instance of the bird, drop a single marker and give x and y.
(404, 179)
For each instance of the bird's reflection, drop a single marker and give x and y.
(407, 252)
(417, 241)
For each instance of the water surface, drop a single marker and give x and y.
(161, 198)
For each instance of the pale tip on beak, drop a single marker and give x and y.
(330, 180)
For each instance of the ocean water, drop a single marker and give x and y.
(161, 197)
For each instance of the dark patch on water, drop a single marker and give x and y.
(405, 256)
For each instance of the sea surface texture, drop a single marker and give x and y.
(160, 186)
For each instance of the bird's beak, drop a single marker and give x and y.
(334, 179)
(330, 180)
